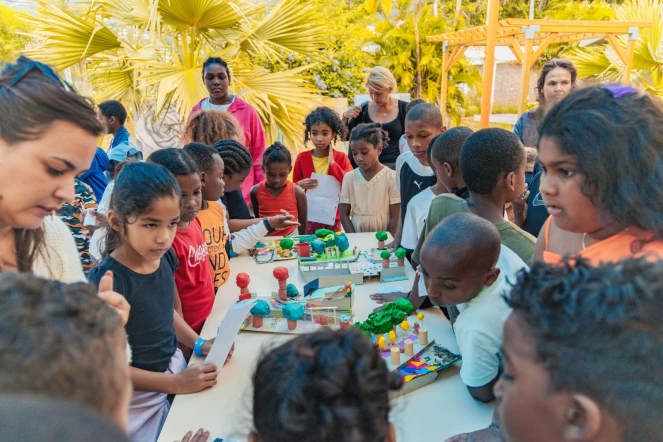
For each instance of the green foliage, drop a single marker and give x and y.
(385, 254)
(12, 34)
(383, 321)
(286, 243)
(400, 253)
(381, 236)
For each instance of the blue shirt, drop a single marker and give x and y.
(94, 177)
(121, 136)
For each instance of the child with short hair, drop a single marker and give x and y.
(323, 128)
(402, 142)
(209, 126)
(369, 200)
(64, 342)
(463, 264)
(335, 387)
(601, 149)
(582, 353)
(277, 192)
(444, 157)
(113, 115)
(413, 170)
(213, 215)
(193, 277)
(143, 221)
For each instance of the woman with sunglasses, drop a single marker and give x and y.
(48, 137)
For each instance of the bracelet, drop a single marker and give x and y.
(270, 229)
(198, 346)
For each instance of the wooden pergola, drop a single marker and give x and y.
(522, 36)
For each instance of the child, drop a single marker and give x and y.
(73, 215)
(369, 200)
(444, 156)
(143, 220)
(464, 265)
(62, 341)
(601, 149)
(413, 171)
(582, 354)
(402, 142)
(213, 217)
(208, 127)
(323, 129)
(277, 192)
(193, 278)
(492, 163)
(113, 115)
(335, 387)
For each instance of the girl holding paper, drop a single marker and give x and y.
(323, 128)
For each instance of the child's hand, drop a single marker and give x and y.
(195, 378)
(330, 160)
(207, 346)
(520, 204)
(308, 183)
(385, 298)
(282, 221)
(200, 436)
(112, 298)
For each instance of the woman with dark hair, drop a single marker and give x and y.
(48, 137)
(216, 76)
(557, 80)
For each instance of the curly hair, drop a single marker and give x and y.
(598, 332)
(486, 155)
(137, 187)
(202, 155)
(326, 116)
(618, 143)
(113, 108)
(446, 147)
(332, 386)
(62, 341)
(371, 133)
(236, 158)
(208, 127)
(277, 153)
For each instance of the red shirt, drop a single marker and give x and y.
(269, 205)
(193, 277)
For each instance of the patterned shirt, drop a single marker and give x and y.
(72, 215)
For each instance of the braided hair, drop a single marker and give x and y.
(372, 133)
(236, 158)
(333, 385)
(330, 118)
(277, 153)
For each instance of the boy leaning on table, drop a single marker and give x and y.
(464, 264)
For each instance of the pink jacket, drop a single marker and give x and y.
(254, 136)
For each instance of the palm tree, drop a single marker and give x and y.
(601, 63)
(151, 51)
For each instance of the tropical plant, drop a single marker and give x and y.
(602, 64)
(398, 43)
(13, 33)
(144, 51)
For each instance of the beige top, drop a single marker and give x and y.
(370, 200)
(58, 258)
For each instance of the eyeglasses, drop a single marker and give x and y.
(46, 70)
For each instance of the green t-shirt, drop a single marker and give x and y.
(442, 206)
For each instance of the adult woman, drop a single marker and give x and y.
(48, 137)
(216, 76)
(557, 80)
(384, 109)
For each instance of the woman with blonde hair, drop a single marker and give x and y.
(382, 108)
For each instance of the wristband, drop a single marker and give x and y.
(270, 229)
(198, 346)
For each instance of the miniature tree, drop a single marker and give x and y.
(286, 245)
(318, 246)
(259, 311)
(381, 237)
(400, 254)
(281, 274)
(242, 281)
(345, 321)
(342, 242)
(293, 312)
(404, 305)
(291, 291)
(323, 234)
(385, 255)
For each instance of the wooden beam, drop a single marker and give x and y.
(612, 39)
(630, 50)
(542, 47)
(489, 62)
(456, 57)
(515, 49)
(524, 77)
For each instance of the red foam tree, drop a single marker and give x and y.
(242, 281)
(282, 275)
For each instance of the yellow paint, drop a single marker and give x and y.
(420, 316)
(382, 342)
(392, 336)
(405, 325)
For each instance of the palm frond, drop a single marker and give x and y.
(203, 15)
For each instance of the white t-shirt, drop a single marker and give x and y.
(402, 145)
(207, 106)
(480, 324)
(415, 165)
(415, 218)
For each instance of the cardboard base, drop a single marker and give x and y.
(331, 277)
(280, 325)
(393, 274)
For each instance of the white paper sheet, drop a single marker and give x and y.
(323, 200)
(228, 331)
